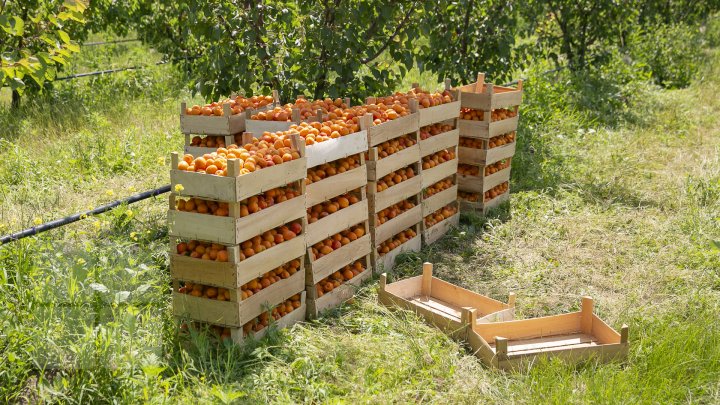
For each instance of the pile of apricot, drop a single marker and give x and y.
(496, 191)
(269, 150)
(262, 321)
(205, 291)
(254, 286)
(441, 185)
(497, 166)
(468, 170)
(237, 105)
(248, 206)
(396, 241)
(212, 141)
(393, 211)
(498, 114)
(470, 197)
(339, 277)
(325, 208)
(395, 145)
(203, 250)
(396, 177)
(501, 140)
(330, 169)
(434, 129)
(441, 215)
(335, 242)
(438, 158)
(268, 239)
(316, 132)
(427, 99)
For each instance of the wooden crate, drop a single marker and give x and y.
(485, 156)
(387, 262)
(378, 134)
(228, 124)
(484, 207)
(233, 229)
(234, 273)
(487, 96)
(382, 232)
(487, 129)
(443, 112)
(439, 142)
(260, 126)
(235, 187)
(334, 149)
(443, 304)
(439, 172)
(236, 312)
(339, 295)
(318, 269)
(338, 221)
(481, 184)
(433, 233)
(377, 167)
(333, 186)
(439, 200)
(574, 337)
(394, 194)
(298, 315)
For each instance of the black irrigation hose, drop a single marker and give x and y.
(74, 218)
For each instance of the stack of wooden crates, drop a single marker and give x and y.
(488, 123)
(220, 276)
(395, 212)
(331, 278)
(439, 143)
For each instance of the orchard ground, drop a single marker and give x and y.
(624, 210)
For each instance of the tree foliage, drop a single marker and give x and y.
(468, 36)
(36, 36)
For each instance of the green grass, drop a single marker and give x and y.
(625, 210)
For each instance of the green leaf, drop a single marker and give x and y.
(63, 36)
(73, 47)
(13, 25)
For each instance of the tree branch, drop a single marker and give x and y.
(391, 38)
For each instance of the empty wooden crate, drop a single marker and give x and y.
(443, 304)
(573, 337)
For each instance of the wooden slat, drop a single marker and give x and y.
(328, 264)
(437, 231)
(338, 295)
(462, 297)
(333, 186)
(394, 194)
(212, 125)
(387, 262)
(439, 172)
(603, 332)
(336, 222)
(439, 200)
(338, 148)
(530, 328)
(269, 259)
(560, 341)
(257, 127)
(379, 168)
(443, 112)
(392, 129)
(481, 184)
(445, 140)
(383, 232)
(406, 288)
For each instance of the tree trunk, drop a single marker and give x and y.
(15, 99)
